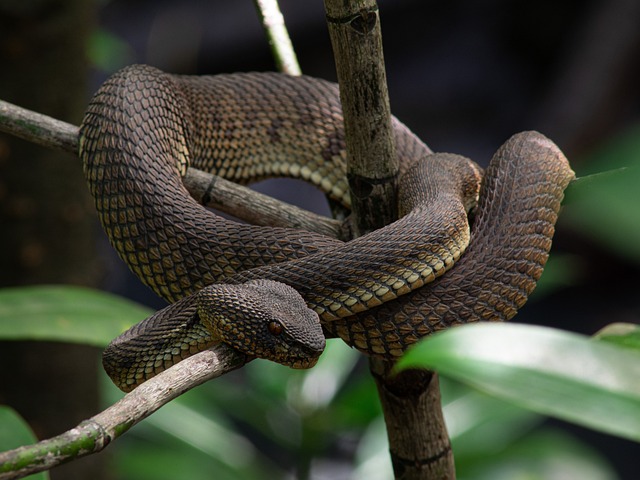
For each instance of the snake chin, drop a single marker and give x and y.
(297, 355)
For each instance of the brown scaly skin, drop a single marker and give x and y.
(249, 317)
(511, 236)
(143, 128)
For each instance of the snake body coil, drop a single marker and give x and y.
(144, 128)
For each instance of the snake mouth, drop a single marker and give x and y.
(304, 362)
(300, 356)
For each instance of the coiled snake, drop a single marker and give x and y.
(380, 293)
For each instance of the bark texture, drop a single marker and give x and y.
(418, 439)
(372, 168)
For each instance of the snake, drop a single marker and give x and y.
(469, 245)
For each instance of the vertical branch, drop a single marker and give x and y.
(418, 440)
(372, 168)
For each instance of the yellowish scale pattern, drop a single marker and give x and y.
(380, 292)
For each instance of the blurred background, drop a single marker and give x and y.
(464, 76)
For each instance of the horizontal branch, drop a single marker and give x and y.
(255, 207)
(227, 197)
(94, 434)
(38, 128)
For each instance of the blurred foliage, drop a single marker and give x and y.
(65, 314)
(108, 52)
(605, 203)
(562, 270)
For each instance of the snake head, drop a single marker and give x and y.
(265, 319)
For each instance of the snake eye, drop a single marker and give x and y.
(275, 327)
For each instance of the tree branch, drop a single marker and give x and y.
(210, 190)
(418, 439)
(94, 434)
(37, 128)
(372, 167)
(278, 36)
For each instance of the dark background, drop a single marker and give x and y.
(463, 75)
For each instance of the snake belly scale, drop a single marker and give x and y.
(380, 292)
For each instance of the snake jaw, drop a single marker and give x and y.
(295, 356)
(299, 354)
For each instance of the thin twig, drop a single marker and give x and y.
(228, 197)
(94, 434)
(255, 207)
(278, 36)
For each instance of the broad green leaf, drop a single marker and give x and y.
(581, 187)
(15, 432)
(65, 314)
(549, 371)
(623, 334)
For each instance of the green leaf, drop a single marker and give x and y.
(623, 334)
(15, 432)
(581, 187)
(549, 371)
(545, 455)
(65, 314)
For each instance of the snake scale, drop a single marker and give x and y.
(250, 286)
